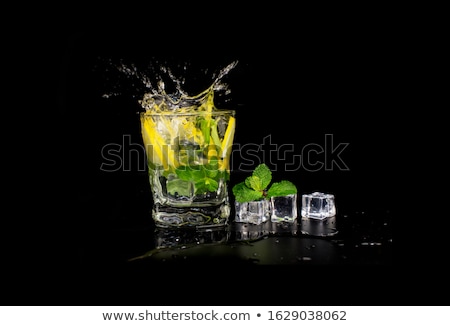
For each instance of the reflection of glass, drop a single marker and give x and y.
(180, 237)
(188, 156)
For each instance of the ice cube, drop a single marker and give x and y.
(318, 205)
(254, 212)
(284, 208)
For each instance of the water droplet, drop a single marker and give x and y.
(305, 258)
(371, 243)
(339, 243)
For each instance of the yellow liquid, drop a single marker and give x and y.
(188, 141)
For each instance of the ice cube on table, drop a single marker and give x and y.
(254, 212)
(284, 208)
(318, 205)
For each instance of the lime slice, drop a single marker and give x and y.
(212, 150)
(159, 151)
(227, 143)
(152, 147)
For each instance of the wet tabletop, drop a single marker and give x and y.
(111, 225)
(120, 264)
(357, 238)
(306, 241)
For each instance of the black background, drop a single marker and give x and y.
(295, 81)
(295, 87)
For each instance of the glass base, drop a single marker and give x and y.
(199, 217)
(187, 237)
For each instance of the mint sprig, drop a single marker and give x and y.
(256, 186)
(204, 177)
(243, 194)
(260, 178)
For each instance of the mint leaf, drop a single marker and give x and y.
(178, 187)
(282, 188)
(212, 168)
(190, 172)
(243, 194)
(184, 173)
(253, 182)
(205, 185)
(205, 178)
(260, 178)
(255, 186)
(264, 174)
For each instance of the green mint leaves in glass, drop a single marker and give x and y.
(188, 143)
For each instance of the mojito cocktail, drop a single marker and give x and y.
(188, 143)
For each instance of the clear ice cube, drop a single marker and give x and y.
(318, 205)
(284, 208)
(253, 212)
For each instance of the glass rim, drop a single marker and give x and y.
(195, 113)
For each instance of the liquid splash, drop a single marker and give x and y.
(158, 89)
(158, 100)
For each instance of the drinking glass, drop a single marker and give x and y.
(188, 158)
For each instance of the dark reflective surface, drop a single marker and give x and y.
(362, 238)
(101, 245)
(113, 254)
